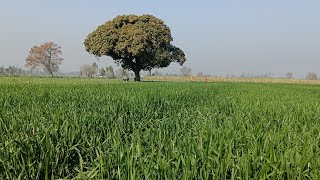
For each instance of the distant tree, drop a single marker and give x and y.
(88, 70)
(289, 75)
(95, 65)
(110, 73)
(46, 56)
(122, 73)
(2, 70)
(7, 71)
(135, 42)
(311, 76)
(102, 72)
(248, 75)
(157, 73)
(185, 71)
(267, 75)
(200, 74)
(230, 76)
(12, 71)
(243, 75)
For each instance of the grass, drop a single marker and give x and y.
(99, 129)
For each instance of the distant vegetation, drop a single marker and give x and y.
(230, 79)
(311, 76)
(89, 70)
(185, 74)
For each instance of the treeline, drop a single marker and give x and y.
(13, 71)
(187, 71)
(18, 71)
(94, 71)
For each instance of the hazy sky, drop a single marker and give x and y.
(218, 37)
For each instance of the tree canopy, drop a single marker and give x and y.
(135, 42)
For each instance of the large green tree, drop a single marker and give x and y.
(135, 42)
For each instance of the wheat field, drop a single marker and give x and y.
(99, 129)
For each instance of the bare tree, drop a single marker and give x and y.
(88, 70)
(46, 56)
(311, 76)
(289, 75)
(185, 71)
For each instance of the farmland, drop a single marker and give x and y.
(100, 129)
(231, 79)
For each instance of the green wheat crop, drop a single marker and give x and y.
(100, 129)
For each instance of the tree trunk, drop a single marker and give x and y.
(51, 74)
(137, 75)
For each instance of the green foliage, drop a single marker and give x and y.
(135, 42)
(84, 128)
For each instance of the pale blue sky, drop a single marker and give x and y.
(218, 37)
